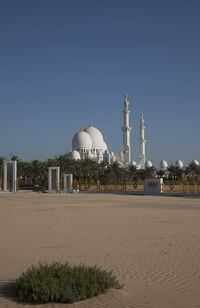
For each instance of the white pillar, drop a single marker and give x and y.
(70, 177)
(71, 182)
(14, 181)
(58, 179)
(50, 169)
(5, 175)
(49, 180)
(142, 143)
(126, 133)
(14, 175)
(64, 182)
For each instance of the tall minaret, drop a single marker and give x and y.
(126, 133)
(142, 143)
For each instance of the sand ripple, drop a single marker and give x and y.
(152, 244)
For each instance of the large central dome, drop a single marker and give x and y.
(81, 141)
(96, 136)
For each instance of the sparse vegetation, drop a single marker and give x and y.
(63, 283)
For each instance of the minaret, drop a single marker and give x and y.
(142, 143)
(126, 133)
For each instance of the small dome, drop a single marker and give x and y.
(148, 164)
(133, 163)
(96, 136)
(81, 140)
(163, 164)
(75, 155)
(120, 164)
(138, 166)
(104, 147)
(179, 163)
(196, 162)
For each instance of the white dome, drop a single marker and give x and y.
(179, 163)
(138, 166)
(96, 136)
(104, 147)
(196, 162)
(120, 164)
(133, 163)
(82, 140)
(163, 164)
(148, 164)
(75, 155)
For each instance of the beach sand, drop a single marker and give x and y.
(151, 243)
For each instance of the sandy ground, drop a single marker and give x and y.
(152, 244)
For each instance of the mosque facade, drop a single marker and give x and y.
(89, 143)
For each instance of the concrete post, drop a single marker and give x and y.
(70, 177)
(58, 179)
(49, 179)
(14, 181)
(14, 175)
(57, 169)
(4, 175)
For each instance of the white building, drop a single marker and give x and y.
(89, 143)
(142, 144)
(124, 155)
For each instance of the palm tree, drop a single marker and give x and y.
(175, 172)
(160, 173)
(14, 157)
(192, 170)
(141, 174)
(133, 172)
(60, 161)
(38, 171)
(115, 172)
(88, 167)
(150, 172)
(22, 171)
(103, 165)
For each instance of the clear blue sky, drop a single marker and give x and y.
(64, 63)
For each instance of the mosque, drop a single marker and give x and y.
(89, 143)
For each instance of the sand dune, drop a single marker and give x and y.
(152, 244)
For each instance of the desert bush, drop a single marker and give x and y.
(63, 283)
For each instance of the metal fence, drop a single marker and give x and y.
(182, 188)
(139, 187)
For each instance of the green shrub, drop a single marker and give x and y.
(63, 283)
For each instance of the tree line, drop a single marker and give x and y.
(91, 173)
